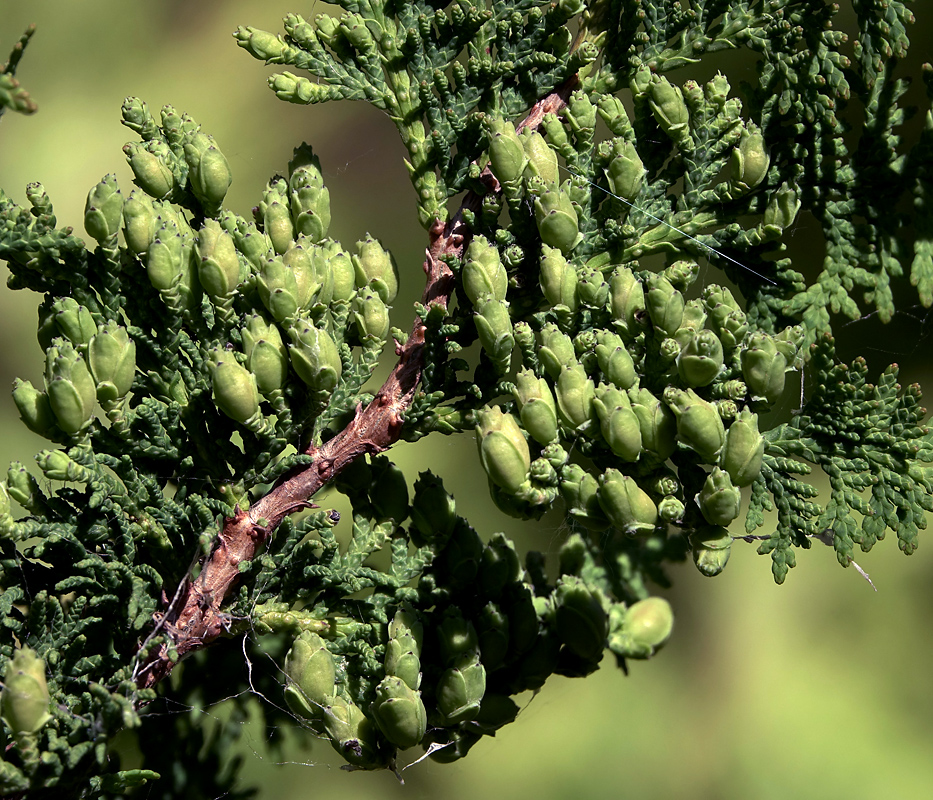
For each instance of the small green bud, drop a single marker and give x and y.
(352, 734)
(665, 304)
(711, 549)
(153, 175)
(744, 449)
(619, 424)
(73, 321)
(34, 408)
(278, 289)
(460, 691)
(699, 425)
(556, 351)
(628, 507)
(103, 210)
(503, 450)
(208, 173)
(536, 406)
(579, 112)
(310, 672)
(580, 618)
(750, 160)
(557, 220)
(627, 301)
(304, 169)
(626, 171)
(592, 288)
(433, 511)
(139, 222)
(640, 630)
(613, 113)
(720, 502)
(371, 316)
(541, 159)
(614, 360)
(483, 273)
(314, 357)
(218, 265)
(261, 44)
(234, 386)
(112, 358)
(494, 328)
(764, 367)
(682, 274)
(375, 266)
(580, 492)
(558, 279)
(782, 208)
(71, 391)
(25, 697)
(671, 509)
(575, 393)
(399, 712)
(266, 356)
(506, 153)
(701, 359)
(667, 104)
(658, 424)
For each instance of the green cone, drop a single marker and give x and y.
(433, 511)
(618, 422)
(556, 351)
(460, 690)
(575, 394)
(352, 734)
(482, 272)
(627, 301)
(103, 210)
(614, 360)
(640, 630)
(764, 367)
(711, 549)
(743, 452)
(375, 267)
(218, 265)
(558, 279)
(701, 359)
(266, 356)
(314, 357)
(657, 421)
(537, 409)
(494, 328)
(399, 712)
(580, 618)
(720, 502)
(24, 701)
(234, 387)
(311, 672)
(506, 153)
(699, 425)
(503, 449)
(70, 387)
(34, 408)
(112, 359)
(628, 507)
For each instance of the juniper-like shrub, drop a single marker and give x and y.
(569, 191)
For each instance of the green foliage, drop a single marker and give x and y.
(185, 363)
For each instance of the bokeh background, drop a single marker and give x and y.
(820, 688)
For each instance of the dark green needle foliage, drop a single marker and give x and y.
(188, 348)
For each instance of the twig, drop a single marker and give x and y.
(194, 619)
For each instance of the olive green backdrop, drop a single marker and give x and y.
(818, 689)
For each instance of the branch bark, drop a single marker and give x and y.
(194, 618)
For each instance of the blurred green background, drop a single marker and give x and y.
(817, 689)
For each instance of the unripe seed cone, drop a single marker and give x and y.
(711, 549)
(558, 279)
(506, 153)
(399, 712)
(537, 409)
(352, 734)
(699, 424)
(503, 449)
(375, 266)
(575, 394)
(433, 511)
(580, 492)
(658, 424)
(627, 301)
(70, 387)
(701, 359)
(542, 160)
(34, 407)
(234, 387)
(626, 171)
(556, 351)
(640, 630)
(665, 304)
(314, 357)
(460, 691)
(483, 273)
(139, 222)
(112, 359)
(24, 701)
(614, 360)
(580, 618)
(266, 356)
(153, 176)
(720, 502)
(311, 670)
(743, 452)
(103, 210)
(628, 507)
(218, 265)
(764, 367)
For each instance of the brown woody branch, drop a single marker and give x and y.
(194, 618)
